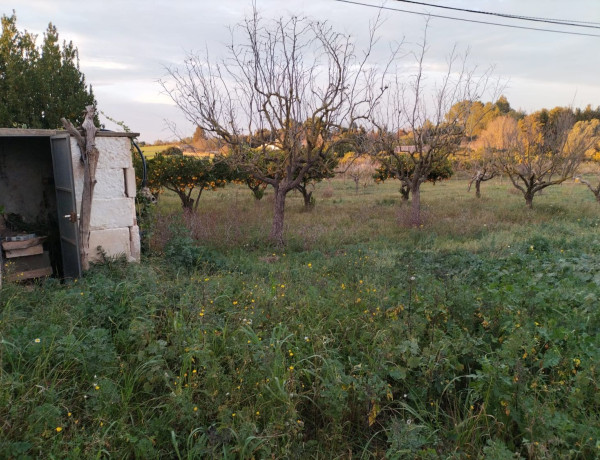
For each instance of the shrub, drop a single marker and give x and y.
(183, 251)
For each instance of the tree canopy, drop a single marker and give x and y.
(39, 84)
(401, 167)
(545, 149)
(422, 125)
(185, 174)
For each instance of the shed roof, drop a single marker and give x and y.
(19, 132)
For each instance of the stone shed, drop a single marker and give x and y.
(41, 183)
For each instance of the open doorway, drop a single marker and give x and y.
(37, 198)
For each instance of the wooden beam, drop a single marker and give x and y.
(18, 132)
(11, 245)
(30, 274)
(31, 251)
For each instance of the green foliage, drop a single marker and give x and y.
(268, 162)
(452, 341)
(39, 85)
(256, 186)
(587, 114)
(172, 151)
(497, 450)
(503, 106)
(402, 168)
(349, 140)
(183, 251)
(186, 174)
(324, 168)
(265, 161)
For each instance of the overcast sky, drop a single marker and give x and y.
(126, 45)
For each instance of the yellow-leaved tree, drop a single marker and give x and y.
(497, 140)
(546, 150)
(589, 133)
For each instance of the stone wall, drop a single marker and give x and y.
(113, 222)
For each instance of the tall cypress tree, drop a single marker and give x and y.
(39, 85)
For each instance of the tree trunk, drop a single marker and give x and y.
(594, 190)
(415, 212)
(257, 190)
(258, 193)
(478, 188)
(197, 202)
(276, 234)
(405, 192)
(529, 199)
(302, 188)
(308, 203)
(187, 203)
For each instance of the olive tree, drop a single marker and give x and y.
(295, 79)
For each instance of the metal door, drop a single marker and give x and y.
(66, 204)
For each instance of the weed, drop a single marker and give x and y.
(473, 336)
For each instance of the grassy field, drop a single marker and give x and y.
(150, 151)
(473, 336)
(454, 219)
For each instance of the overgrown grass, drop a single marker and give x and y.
(473, 336)
(230, 218)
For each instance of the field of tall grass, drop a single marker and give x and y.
(472, 336)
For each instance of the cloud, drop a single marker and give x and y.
(125, 46)
(92, 63)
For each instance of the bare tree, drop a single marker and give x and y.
(294, 78)
(483, 174)
(417, 129)
(595, 189)
(548, 149)
(590, 130)
(360, 168)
